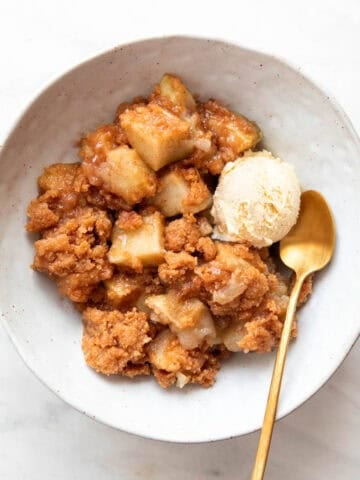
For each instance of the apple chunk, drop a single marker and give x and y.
(189, 319)
(181, 191)
(125, 174)
(231, 130)
(172, 88)
(159, 136)
(141, 247)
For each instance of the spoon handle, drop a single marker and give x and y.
(273, 398)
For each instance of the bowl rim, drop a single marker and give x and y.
(49, 83)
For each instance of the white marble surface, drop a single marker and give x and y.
(40, 436)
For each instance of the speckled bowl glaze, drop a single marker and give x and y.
(300, 124)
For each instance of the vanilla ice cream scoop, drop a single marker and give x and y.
(257, 200)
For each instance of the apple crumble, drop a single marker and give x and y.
(128, 236)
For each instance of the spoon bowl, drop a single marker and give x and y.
(310, 244)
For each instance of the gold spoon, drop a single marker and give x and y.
(308, 247)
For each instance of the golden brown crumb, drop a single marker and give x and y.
(59, 176)
(137, 101)
(129, 220)
(134, 370)
(198, 189)
(213, 275)
(113, 342)
(96, 145)
(261, 335)
(207, 375)
(207, 248)
(233, 253)
(232, 131)
(182, 234)
(156, 98)
(62, 186)
(75, 251)
(176, 266)
(40, 216)
(171, 362)
(98, 197)
(165, 379)
(180, 260)
(236, 282)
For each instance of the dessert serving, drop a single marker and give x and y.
(160, 236)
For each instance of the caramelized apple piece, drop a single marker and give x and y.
(125, 174)
(165, 353)
(231, 130)
(172, 88)
(159, 136)
(189, 319)
(143, 246)
(181, 191)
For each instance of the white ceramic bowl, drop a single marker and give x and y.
(300, 123)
